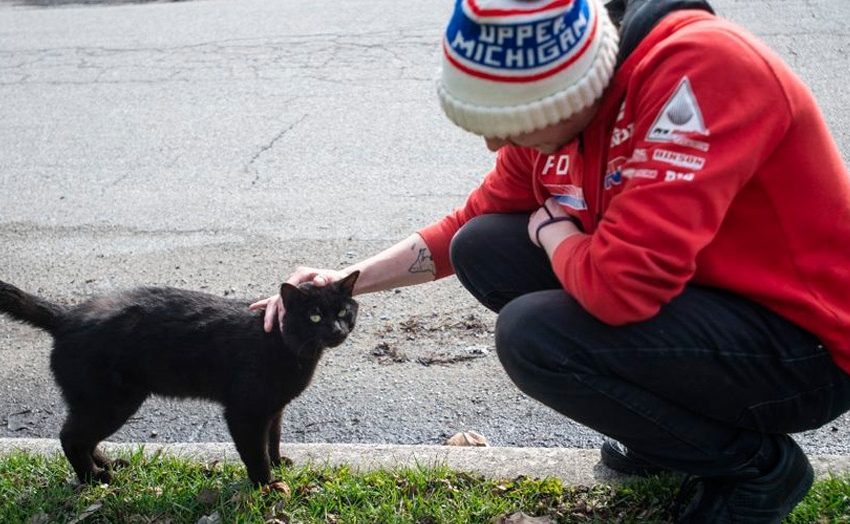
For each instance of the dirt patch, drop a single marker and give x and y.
(471, 324)
(463, 355)
(384, 353)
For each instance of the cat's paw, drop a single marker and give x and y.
(118, 464)
(98, 476)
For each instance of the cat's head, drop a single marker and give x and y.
(320, 315)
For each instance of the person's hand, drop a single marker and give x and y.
(274, 305)
(556, 225)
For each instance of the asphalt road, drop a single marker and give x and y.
(216, 145)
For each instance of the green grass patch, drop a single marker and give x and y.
(163, 489)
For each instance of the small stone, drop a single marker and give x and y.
(154, 434)
(213, 518)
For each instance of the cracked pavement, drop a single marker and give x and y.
(216, 145)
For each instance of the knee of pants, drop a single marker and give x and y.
(533, 335)
(470, 245)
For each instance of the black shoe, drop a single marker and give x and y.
(618, 457)
(763, 498)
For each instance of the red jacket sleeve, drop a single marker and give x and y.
(506, 189)
(646, 245)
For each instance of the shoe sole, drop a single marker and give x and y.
(622, 464)
(800, 493)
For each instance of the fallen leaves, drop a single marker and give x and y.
(88, 512)
(467, 438)
(277, 486)
(521, 518)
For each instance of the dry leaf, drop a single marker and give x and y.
(213, 518)
(279, 486)
(88, 512)
(521, 518)
(466, 438)
(275, 514)
(310, 489)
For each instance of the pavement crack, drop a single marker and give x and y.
(249, 166)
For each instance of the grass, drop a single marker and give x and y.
(162, 489)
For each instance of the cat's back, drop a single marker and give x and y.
(151, 307)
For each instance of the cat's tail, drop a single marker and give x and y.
(29, 308)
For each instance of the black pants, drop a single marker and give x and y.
(695, 389)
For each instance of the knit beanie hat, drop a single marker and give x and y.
(516, 66)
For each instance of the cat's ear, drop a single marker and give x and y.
(288, 291)
(347, 283)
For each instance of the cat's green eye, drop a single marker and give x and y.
(315, 318)
(341, 313)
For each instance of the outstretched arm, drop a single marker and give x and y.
(406, 263)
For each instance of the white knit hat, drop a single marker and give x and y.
(516, 66)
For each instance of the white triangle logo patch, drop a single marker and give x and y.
(680, 115)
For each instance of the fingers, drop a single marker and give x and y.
(318, 277)
(260, 304)
(301, 275)
(274, 310)
(274, 305)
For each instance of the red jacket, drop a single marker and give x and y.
(708, 162)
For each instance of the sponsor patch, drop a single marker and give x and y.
(614, 175)
(680, 116)
(568, 195)
(621, 134)
(639, 155)
(672, 176)
(631, 172)
(679, 159)
(615, 178)
(689, 142)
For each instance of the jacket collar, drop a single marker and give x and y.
(636, 18)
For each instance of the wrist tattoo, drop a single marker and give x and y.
(424, 263)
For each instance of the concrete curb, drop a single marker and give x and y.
(572, 466)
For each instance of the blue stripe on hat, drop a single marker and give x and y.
(518, 46)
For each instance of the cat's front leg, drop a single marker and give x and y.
(274, 442)
(274, 439)
(250, 433)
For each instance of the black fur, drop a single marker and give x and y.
(112, 352)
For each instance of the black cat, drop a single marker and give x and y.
(113, 351)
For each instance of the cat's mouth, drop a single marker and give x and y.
(335, 341)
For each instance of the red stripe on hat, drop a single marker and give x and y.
(521, 79)
(478, 11)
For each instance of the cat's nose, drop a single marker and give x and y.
(340, 328)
